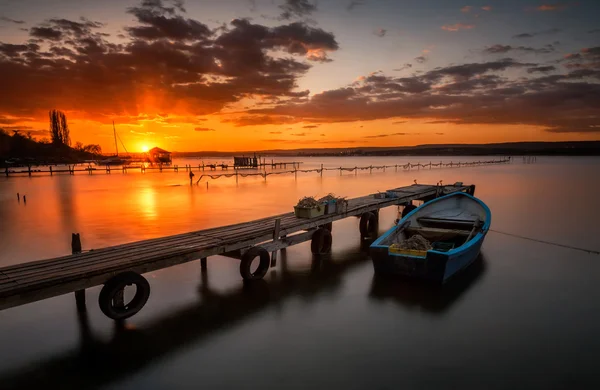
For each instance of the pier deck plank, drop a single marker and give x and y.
(42, 279)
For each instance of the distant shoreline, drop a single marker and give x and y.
(577, 148)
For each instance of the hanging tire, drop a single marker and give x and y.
(368, 224)
(247, 260)
(321, 242)
(114, 285)
(408, 209)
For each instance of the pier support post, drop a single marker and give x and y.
(321, 171)
(275, 238)
(203, 264)
(79, 294)
(50, 170)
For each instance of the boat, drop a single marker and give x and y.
(435, 241)
(114, 160)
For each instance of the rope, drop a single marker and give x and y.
(590, 251)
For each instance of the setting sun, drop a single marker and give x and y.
(145, 148)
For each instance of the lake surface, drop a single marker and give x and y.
(525, 316)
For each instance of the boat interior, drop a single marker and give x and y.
(447, 224)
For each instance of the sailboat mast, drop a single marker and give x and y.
(115, 134)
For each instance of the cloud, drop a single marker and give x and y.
(385, 135)
(354, 3)
(398, 122)
(274, 132)
(472, 93)
(487, 8)
(310, 126)
(6, 19)
(175, 62)
(457, 27)
(297, 8)
(466, 9)
(421, 59)
(203, 129)
(403, 67)
(501, 49)
(439, 133)
(380, 32)
(551, 7)
(299, 134)
(541, 69)
(596, 30)
(534, 34)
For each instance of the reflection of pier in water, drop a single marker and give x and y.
(431, 298)
(97, 362)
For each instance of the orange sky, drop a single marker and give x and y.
(291, 74)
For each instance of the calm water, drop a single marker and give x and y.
(526, 316)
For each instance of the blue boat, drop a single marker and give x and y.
(448, 233)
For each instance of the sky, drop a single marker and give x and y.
(235, 75)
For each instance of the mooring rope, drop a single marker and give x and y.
(590, 251)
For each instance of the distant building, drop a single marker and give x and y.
(158, 156)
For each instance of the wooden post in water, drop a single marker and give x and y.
(50, 170)
(356, 171)
(29, 169)
(79, 294)
(340, 171)
(371, 171)
(203, 264)
(275, 238)
(321, 171)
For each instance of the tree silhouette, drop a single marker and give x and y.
(59, 130)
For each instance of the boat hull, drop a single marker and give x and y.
(435, 266)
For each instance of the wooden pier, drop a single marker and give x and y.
(122, 265)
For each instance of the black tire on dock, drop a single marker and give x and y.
(408, 209)
(321, 242)
(368, 224)
(114, 286)
(247, 260)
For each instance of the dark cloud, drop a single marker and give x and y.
(159, 21)
(203, 129)
(187, 69)
(46, 33)
(6, 19)
(398, 122)
(534, 34)
(354, 3)
(502, 49)
(299, 134)
(274, 132)
(385, 135)
(380, 32)
(596, 30)
(296, 8)
(421, 59)
(310, 126)
(466, 94)
(541, 69)
(403, 67)
(439, 133)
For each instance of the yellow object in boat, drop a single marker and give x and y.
(395, 248)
